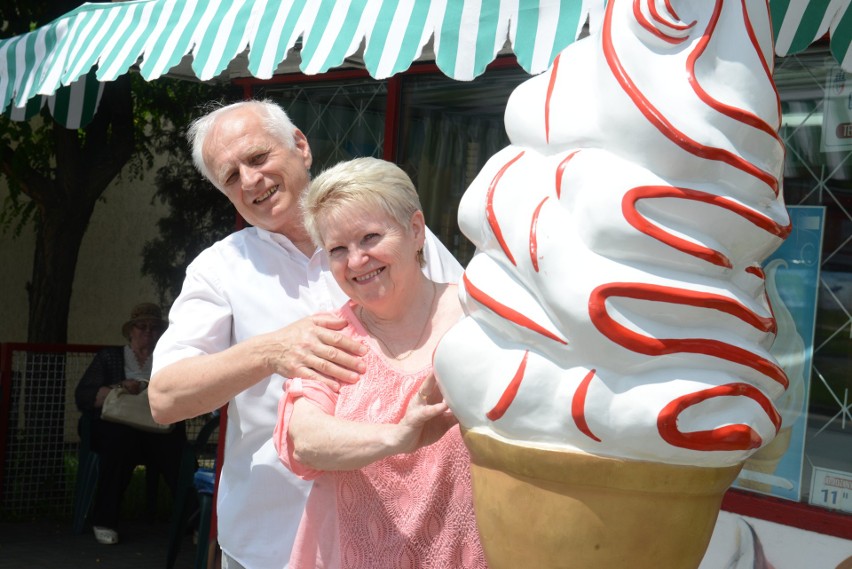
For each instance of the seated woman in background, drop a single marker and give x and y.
(392, 476)
(120, 447)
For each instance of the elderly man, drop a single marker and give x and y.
(250, 314)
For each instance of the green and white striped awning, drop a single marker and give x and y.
(65, 62)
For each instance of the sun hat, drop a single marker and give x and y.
(143, 312)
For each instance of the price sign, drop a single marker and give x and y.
(831, 489)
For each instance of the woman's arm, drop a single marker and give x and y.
(106, 368)
(324, 442)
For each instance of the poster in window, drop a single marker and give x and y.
(792, 279)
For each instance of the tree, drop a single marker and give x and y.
(57, 175)
(198, 216)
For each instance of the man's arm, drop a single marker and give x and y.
(310, 348)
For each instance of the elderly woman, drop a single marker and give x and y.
(122, 447)
(392, 481)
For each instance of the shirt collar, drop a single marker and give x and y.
(285, 243)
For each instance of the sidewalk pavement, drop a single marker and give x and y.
(52, 545)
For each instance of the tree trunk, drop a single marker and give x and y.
(58, 239)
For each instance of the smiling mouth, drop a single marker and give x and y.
(267, 195)
(368, 276)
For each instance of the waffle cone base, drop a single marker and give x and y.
(552, 509)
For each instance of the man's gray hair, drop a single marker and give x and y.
(275, 122)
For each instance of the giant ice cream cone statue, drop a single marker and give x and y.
(613, 371)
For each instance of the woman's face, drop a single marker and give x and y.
(144, 334)
(372, 257)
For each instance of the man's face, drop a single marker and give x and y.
(261, 175)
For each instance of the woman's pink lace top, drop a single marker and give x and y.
(405, 511)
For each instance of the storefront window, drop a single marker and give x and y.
(816, 99)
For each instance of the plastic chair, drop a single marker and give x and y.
(204, 481)
(182, 514)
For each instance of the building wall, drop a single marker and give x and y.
(16, 260)
(108, 281)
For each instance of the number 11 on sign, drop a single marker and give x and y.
(831, 489)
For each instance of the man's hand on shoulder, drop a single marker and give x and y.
(315, 348)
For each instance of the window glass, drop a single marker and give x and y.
(816, 102)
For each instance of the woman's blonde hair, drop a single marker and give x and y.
(366, 182)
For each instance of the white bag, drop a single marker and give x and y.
(121, 406)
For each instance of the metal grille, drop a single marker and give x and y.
(42, 440)
(341, 120)
(40, 468)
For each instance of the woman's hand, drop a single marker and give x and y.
(132, 386)
(101, 395)
(321, 441)
(427, 417)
